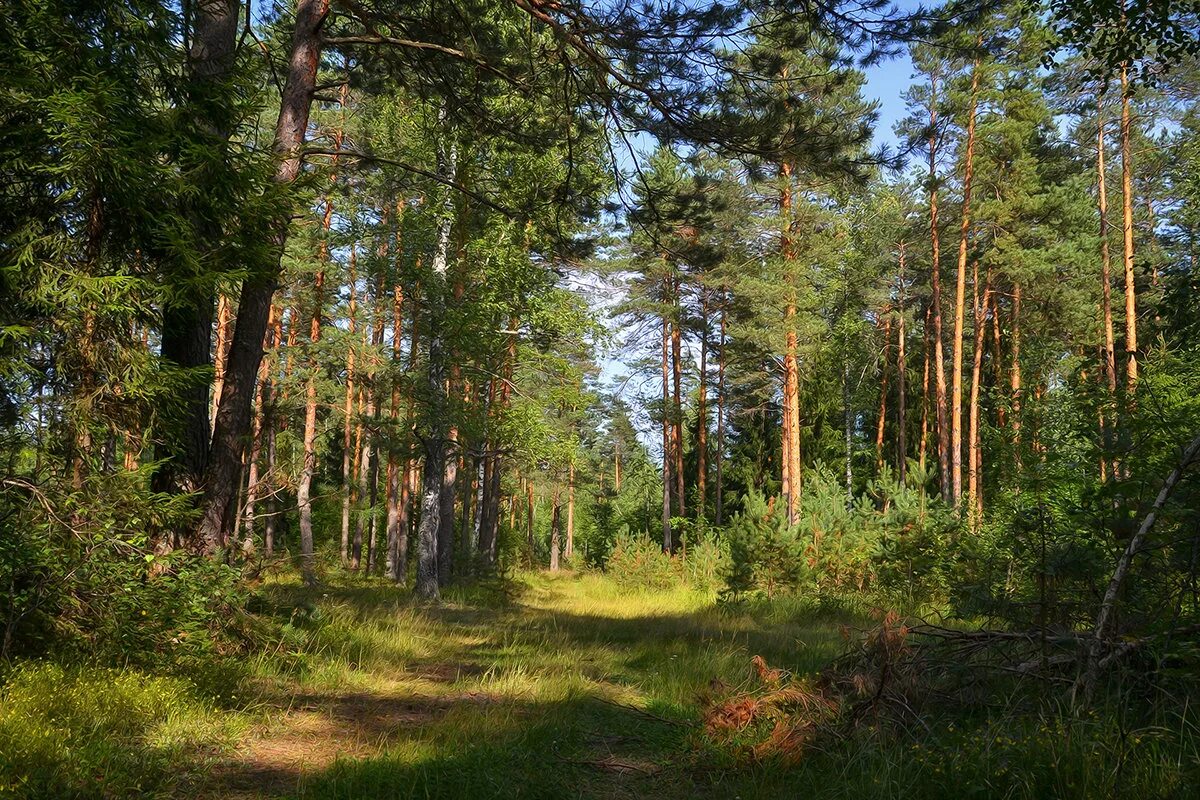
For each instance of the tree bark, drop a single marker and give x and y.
(435, 425)
(935, 302)
(901, 380)
(677, 405)
(1131, 343)
(262, 402)
(956, 392)
(666, 436)
(702, 413)
(720, 454)
(883, 390)
(555, 533)
(569, 546)
(348, 482)
(233, 414)
(975, 476)
(395, 473)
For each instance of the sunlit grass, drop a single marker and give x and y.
(549, 686)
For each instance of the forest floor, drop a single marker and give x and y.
(571, 686)
(567, 686)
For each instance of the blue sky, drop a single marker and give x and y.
(886, 82)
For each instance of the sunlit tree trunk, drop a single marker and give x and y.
(935, 303)
(1131, 343)
(975, 461)
(220, 352)
(702, 413)
(922, 446)
(1014, 381)
(886, 323)
(956, 392)
(901, 380)
(720, 454)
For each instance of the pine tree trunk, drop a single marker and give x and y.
(529, 520)
(491, 524)
(569, 547)
(394, 470)
(677, 405)
(348, 414)
(233, 413)
(666, 436)
(935, 302)
(1014, 383)
(309, 467)
(922, 446)
(1107, 424)
(720, 454)
(262, 401)
(956, 392)
(883, 390)
(901, 382)
(555, 534)
(220, 353)
(1131, 344)
(975, 474)
(435, 434)
(702, 414)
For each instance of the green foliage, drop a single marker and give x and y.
(638, 561)
(85, 579)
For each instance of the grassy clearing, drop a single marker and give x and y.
(571, 686)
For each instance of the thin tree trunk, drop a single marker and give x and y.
(348, 413)
(262, 402)
(1131, 343)
(395, 473)
(666, 436)
(677, 406)
(1104, 616)
(901, 381)
(555, 534)
(1108, 416)
(922, 447)
(233, 414)
(883, 391)
(435, 437)
(569, 547)
(956, 392)
(935, 302)
(1014, 383)
(529, 519)
(975, 475)
(720, 454)
(702, 413)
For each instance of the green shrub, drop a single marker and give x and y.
(639, 561)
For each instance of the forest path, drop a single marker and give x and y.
(578, 687)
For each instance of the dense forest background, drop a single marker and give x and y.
(429, 295)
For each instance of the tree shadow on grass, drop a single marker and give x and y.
(573, 748)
